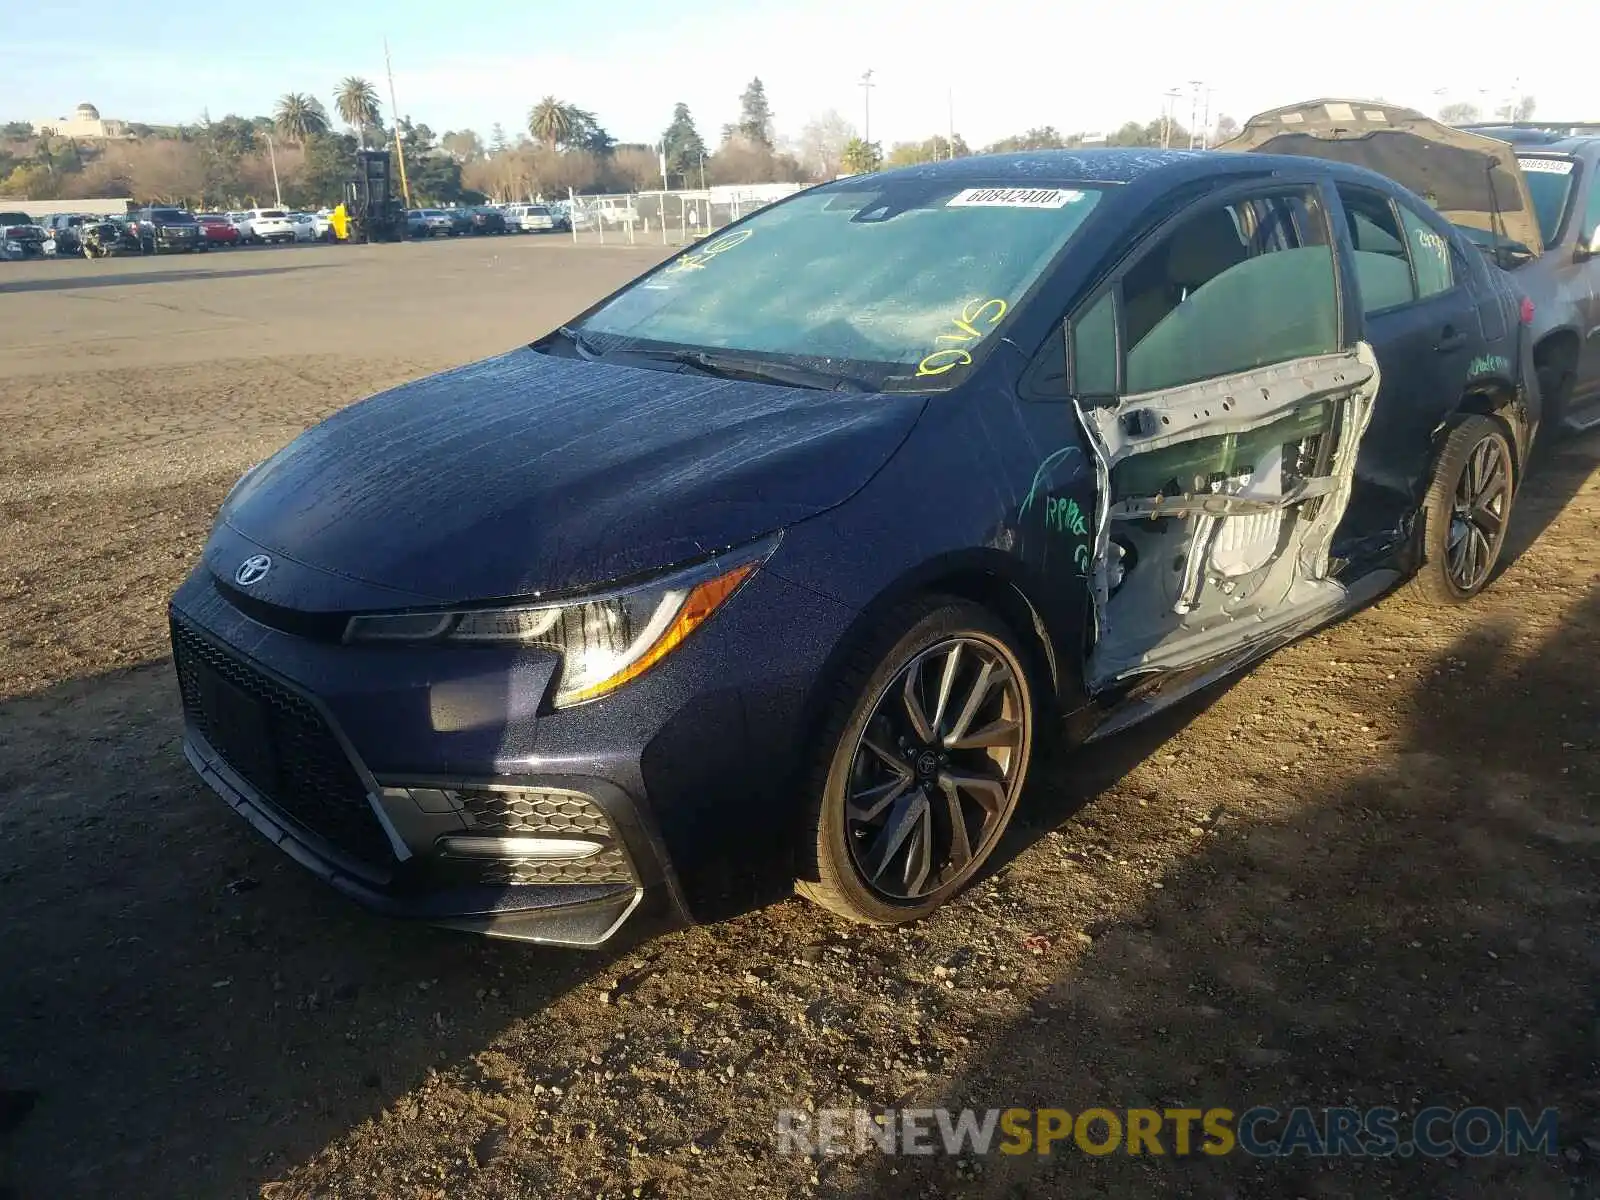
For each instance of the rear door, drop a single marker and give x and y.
(1420, 318)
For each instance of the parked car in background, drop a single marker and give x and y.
(217, 230)
(271, 225)
(241, 222)
(64, 229)
(460, 220)
(487, 219)
(165, 230)
(1524, 194)
(21, 236)
(430, 222)
(108, 236)
(1562, 171)
(612, 210)
(323, 219)
(305, 226)
(538, 218)
(496, 648)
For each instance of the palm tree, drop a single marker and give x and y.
(550, 121)
(357, 102)
(298, 116)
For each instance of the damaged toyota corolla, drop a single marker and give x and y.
(782, 561)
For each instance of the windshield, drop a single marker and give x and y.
(906, 276)
(1550, 183)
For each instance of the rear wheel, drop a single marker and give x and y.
(921, 764)
(1466, 512)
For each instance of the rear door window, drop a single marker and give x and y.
(1383, 268)
(1430, 254)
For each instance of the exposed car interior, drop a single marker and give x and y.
(1228, 454)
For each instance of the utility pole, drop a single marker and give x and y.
(950, 100)
(272, 153)
(1205, 121)
(394, 116)
(1194, 108)
(1169, 107)
(866, 106)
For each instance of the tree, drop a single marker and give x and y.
(357, 103)
(462, 145)
(585, 133)
(16, 130)
(298, 116)
(1226, 128)
(1462, 112)
(550, 122)
(681, 143)
(497, 139)
(1519, 110)
(822, 143)
(860, 156)
(755, 115)
(635, 168)
(1043, 138)
(934, 149)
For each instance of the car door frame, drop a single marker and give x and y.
(1132, 251)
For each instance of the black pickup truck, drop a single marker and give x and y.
(166, 229)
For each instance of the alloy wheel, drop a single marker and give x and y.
(937, 768)
(1478, 514)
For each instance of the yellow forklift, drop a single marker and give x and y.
(370, 212)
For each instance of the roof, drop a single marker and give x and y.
(1112, 165)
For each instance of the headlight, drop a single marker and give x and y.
(604, 640)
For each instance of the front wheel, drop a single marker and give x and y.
(921, 764)
(1466, 512)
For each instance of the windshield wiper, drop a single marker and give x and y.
(732, 366)
(585, 348)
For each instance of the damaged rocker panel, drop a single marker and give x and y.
(1218, 505)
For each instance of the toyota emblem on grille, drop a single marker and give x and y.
(252, 570)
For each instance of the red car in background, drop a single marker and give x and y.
(217, 230)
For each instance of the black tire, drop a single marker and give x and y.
(1466, 512)
(851, 754)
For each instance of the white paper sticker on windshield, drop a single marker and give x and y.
(1552, 166)
(1339, 112)
(1013, 198)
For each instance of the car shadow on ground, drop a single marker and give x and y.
(183, 1006)
(65, 283)
(1423, 935)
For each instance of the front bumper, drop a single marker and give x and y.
(682, 780)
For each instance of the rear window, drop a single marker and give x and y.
(271, 212)
(171, 216)
(539, 211)
(15, 219)
(1550, 183)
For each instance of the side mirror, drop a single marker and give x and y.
(1590, 246)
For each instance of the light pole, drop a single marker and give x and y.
(866, 106)
(272, 154)
(1168, 109)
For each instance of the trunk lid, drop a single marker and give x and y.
(1474, 181)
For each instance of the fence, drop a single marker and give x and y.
(671, 216)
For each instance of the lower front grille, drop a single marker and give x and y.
(548, 813)
(279, 742)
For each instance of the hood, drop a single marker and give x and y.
(526, 473)
(1473, 181)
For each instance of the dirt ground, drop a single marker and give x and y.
(1363, 874)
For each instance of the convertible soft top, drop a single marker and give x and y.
(1473, 181)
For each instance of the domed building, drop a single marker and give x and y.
(85, 122)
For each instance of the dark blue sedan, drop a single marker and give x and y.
(783, 561)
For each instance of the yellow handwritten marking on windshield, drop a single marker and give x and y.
(976, 313)
(698, 260)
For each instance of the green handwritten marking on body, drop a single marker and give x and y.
(1489, 364)
(1062, 515)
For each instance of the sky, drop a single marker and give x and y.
(1002, 66)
